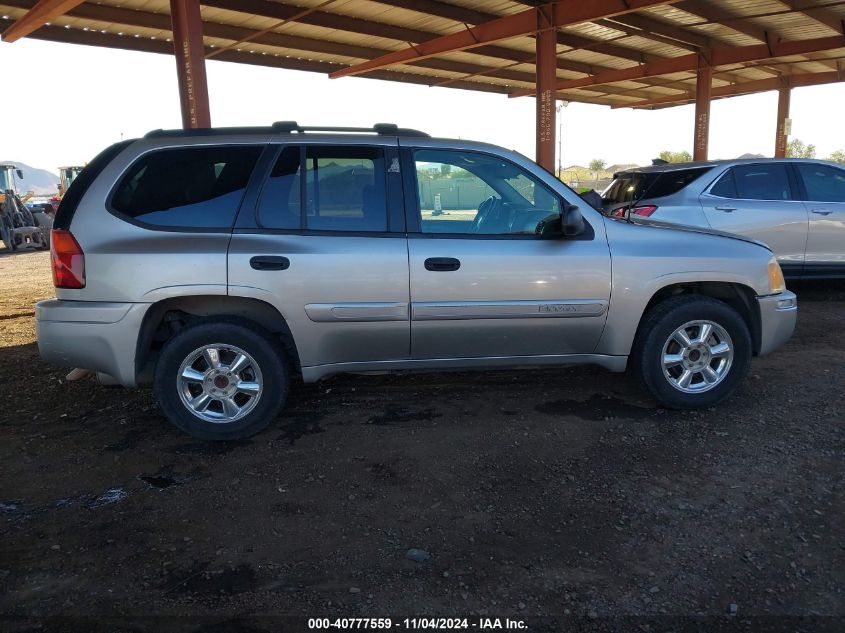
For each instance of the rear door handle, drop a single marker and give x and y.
(726, 209)
(442, 264)
(820, 212)
(269, 262)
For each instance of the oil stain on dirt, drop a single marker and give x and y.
(596, 408)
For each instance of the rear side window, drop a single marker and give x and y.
(326, 188)
(632, 185)
(822, 182)
(196, 187)
(754, 182)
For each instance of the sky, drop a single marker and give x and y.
(71, 101)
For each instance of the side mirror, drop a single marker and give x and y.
(571, 220)
(19, 173)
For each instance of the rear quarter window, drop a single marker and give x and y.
(196, 187)
(632, 185)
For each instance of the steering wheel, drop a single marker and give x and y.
(486, 210)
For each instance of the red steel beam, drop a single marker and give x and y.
(783, 114)
(190, 63)
(744, 88)
(546, 65)
(703, 87)
(719, 56)
(38, 16)
(566, 12)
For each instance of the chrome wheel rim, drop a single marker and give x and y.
(219, 383)
(697, 356)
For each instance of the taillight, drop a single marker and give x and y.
(618, 213)
(645, 210)
(68, 260)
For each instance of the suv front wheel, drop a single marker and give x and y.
(221, 380)
(692, 351)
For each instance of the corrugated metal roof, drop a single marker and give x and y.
(331, 35)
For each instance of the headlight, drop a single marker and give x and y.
(776, 282)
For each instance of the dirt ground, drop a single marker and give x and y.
(561, 493)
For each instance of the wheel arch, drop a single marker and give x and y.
(740, 297)
(167, 317)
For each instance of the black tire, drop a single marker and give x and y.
(5, 234)
(260, 345)
(660, 324)
(44, 222)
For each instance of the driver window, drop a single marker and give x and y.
(465, 192)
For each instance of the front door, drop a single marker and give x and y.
(486, 279)
(824, 195)
(758, 200)
(325, 244)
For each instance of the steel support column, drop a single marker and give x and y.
(546, 65)
(190, 63)
(783, 114)
(703, 83)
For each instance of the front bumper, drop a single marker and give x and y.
(92, 335)
(778, 314)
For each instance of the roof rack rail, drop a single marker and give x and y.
(288, 127)
(210, 131)
(382, 129)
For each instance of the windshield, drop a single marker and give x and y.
(631, 185)
(6, 179)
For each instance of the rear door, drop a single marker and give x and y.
(484, 283)
(759, 200)
(824, 196)
(323, 241)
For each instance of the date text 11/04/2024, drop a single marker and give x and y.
(429, 624)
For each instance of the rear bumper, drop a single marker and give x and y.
(778, 314)
(91, 335)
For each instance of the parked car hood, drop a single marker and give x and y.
(694, 229)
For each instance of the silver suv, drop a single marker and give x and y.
(796, 206)
(219, 264)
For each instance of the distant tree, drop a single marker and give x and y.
(676, 157)
(796, 149)
(837, 157)
(596, 165)
(445, 170)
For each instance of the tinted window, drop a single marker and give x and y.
(823, 183)
(187, 187)
(726, 186)
(465, 192)
(345, 189)
(763, 181)
(632, 185)
(280, 206)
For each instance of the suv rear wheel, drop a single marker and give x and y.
(692, 351)
(221, 380)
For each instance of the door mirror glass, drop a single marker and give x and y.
(19, 173)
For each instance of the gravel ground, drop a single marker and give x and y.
(530, 493)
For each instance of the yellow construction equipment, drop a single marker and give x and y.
(66, 176)
(19, 226)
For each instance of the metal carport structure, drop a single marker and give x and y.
(620, 53)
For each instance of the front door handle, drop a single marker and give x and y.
(820, 212)
(269, 262)
(442, 264)
(726, 209)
